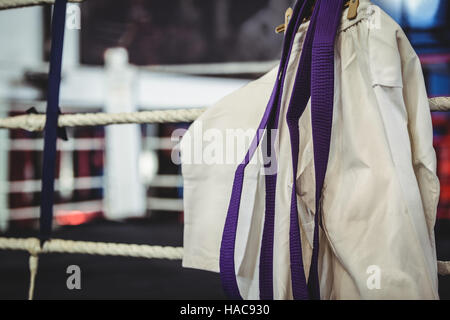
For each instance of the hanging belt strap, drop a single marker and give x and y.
(302, 91)
(315, 79)
(322, 101)
(270, 117)
(316, 67)
(300, 96)
(51, 124)
(267, 245)
(227, 250)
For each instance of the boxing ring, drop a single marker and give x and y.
(36, 122)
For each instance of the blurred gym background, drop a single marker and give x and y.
(118, 184)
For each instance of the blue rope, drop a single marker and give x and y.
(51, 125)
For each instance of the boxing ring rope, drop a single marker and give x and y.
(34, 248)
(36, 122)
(440, 104)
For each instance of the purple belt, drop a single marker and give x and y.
(315, 80)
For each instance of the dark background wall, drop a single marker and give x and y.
(183, 31)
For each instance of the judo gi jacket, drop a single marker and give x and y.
(380, 194)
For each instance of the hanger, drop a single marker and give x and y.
(287, 16)
(352, 6)
(352, 9)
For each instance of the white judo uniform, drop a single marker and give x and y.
(380, 192)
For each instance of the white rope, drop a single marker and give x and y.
(440, 104)
(33, 246)
(9, 4)
(36, 122)
(216, 69)
(444, 268)
(33, 264)
(113, 249)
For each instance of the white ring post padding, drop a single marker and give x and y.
(9, 4)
